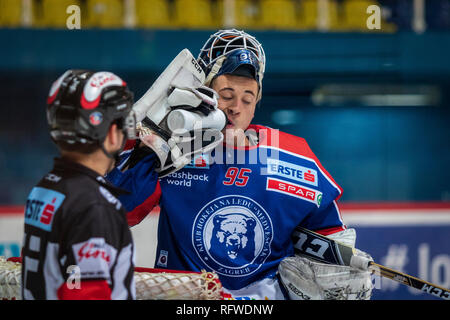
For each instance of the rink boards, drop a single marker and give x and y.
(412, 238)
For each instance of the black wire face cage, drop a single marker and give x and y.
(226, 41)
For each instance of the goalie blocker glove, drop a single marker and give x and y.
(192, 125)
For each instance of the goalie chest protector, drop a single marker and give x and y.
(233, 211)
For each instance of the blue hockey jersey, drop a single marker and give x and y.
(233, 210)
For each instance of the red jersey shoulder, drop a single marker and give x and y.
(293, 144)
(282, 140)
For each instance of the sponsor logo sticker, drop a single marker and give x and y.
(243, 56)
(41, 206)
(200, 161)
(292, 171)
(94, 87)
(94, 257)
(162, 259)
(96, 118)
(294, 190)
(52, 177)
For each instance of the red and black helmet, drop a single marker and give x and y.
(82, 105)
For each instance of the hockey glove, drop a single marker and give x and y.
(178, 116)
(192, 125)
(306, 279)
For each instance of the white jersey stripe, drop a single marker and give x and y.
(52, 273)
(121, 271)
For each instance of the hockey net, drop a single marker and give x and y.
(151, 284)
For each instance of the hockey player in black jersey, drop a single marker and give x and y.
(77, 244)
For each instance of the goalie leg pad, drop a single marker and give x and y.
(347, 236)
(305, 279)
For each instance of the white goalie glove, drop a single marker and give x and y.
(307, 279)
(178, 116)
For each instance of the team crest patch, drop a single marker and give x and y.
(232, 235)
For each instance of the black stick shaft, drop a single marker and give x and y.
(410, 281)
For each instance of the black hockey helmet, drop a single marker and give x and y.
(82, 105)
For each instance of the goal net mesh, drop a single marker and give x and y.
(151, 284)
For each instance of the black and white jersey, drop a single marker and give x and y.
(76, 235)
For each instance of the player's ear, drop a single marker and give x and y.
(113, 138)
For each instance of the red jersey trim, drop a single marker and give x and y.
(89, 290)
(298, 147)
(130, 144)
(141, 211)
(328, 231)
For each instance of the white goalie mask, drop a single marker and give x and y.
(226, 50)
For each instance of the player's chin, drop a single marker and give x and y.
(233, 129)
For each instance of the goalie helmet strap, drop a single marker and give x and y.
(214, 70)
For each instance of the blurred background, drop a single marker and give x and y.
(373, 104)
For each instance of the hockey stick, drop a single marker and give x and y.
(326, 250)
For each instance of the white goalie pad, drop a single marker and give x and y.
(305, 279)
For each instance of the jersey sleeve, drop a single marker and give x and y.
(141, 181)
(326, 218)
